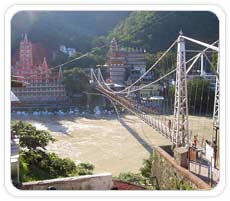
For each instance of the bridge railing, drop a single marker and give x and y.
(156, 124)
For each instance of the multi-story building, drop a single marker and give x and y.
(44, 85)
(124, 63)
(136, 59)
(116, 63)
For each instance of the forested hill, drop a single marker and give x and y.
(74, 29)
(83, 30)
(155, 31)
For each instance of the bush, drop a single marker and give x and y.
(130, 177)
(84, 169)
(144, 177)
(39, 165)
(146, 169)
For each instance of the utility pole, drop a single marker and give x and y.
(180, 135)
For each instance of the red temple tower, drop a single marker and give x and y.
(25, 53)
(43, 84)
(27, 68)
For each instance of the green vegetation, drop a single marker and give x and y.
(200, 96)
(180, 185)
(135, 178)
(154, 31)
(39, 165)
(143, 178)
(29, 137)
(97, 57)
(214, 62)
(149, 173)
(150, 30)
(73, 29)
(76, 81)
(146, 168)
(36, 163)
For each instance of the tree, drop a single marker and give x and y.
(156, 30)
(70, 28)
(29, 137)
(76, 81)
(200, 96)
(36, 163)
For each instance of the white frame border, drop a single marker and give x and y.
(16, 8)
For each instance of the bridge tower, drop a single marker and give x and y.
(217, 98)
(180, 135)
(216, 113)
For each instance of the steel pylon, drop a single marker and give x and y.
(180, 134)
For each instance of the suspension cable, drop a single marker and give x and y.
(153, 66)
(155, 81)
(207, 108)
(194, 110)
(201, 98)
(122, 91)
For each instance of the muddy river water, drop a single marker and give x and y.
(110, 144)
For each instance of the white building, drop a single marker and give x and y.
(67, 50)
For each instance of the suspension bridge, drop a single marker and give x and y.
(175, 127)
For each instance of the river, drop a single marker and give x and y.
(111, 145)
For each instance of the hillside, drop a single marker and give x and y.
(155, 31)
(74, 29)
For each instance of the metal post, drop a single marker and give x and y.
(99, 74)
(91, 74)
(180, 124)
(18, 179)
(216, 115)
(202, 65)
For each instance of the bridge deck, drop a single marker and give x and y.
(156, 124)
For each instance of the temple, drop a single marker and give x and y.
(125, 64)
(44, 85)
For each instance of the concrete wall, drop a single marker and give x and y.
(171, 176)
(88, 182)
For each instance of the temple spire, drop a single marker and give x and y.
(25, 38)
(60, 74)
(25, 53)
(44, 64)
